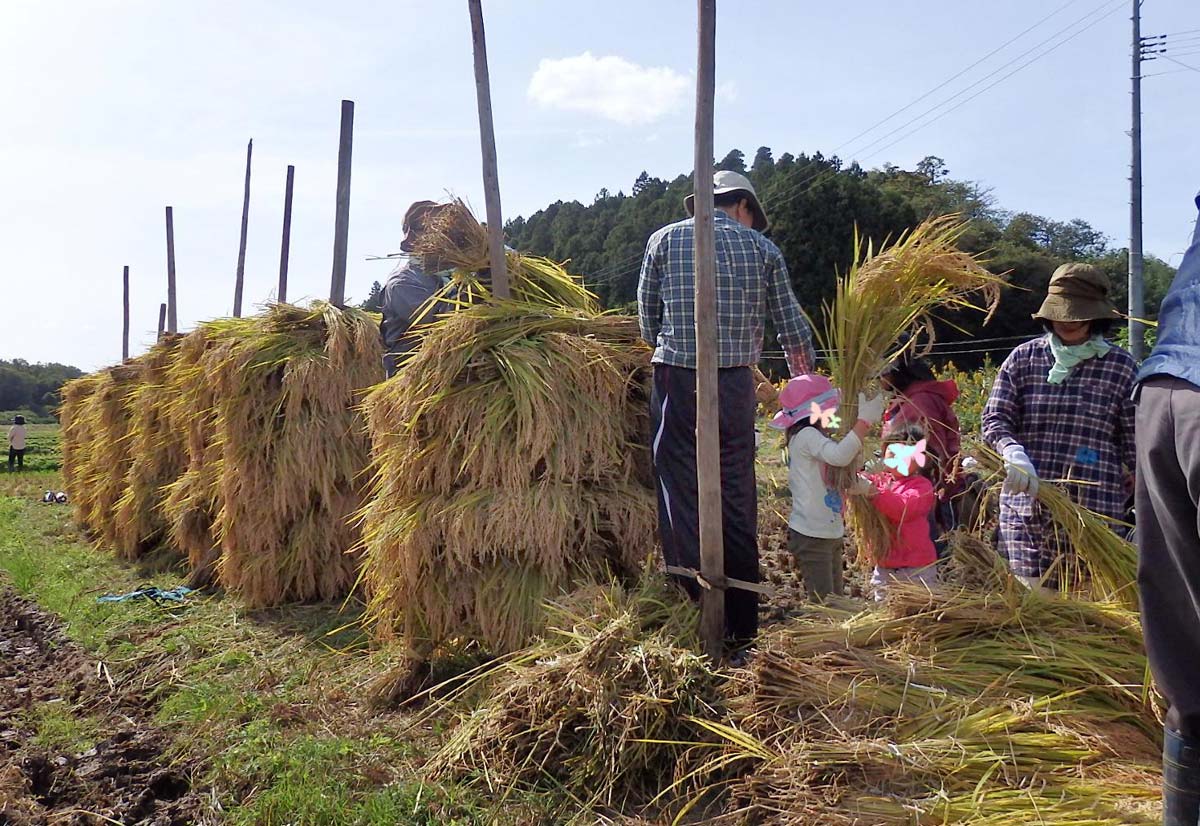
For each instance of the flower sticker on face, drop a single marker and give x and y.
(901, 457)
(825, 418)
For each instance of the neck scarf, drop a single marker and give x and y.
(1067, 356)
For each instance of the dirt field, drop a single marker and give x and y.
(126, 777)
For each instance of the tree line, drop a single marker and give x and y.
(814, 204)
(32, 389)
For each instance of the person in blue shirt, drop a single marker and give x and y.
(1167, 501)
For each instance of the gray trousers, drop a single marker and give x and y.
(820, 563)
(1168, 538)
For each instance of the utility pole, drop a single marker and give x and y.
(341, 223)
(241, 264)
(487, 140)
(285, 247)
(708, 445)
(1137, 306)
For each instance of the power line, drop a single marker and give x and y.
(1181, 63)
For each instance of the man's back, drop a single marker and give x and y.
(407, 290)
(752, 282)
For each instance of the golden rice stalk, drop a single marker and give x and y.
(193, 501)
(886, 294)
(293, 447)
(510, 464)
(1094, 558)
(456, 241)
(602, 707)
(156, 451)
(77, 443)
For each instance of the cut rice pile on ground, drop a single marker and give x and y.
(510, 467)
(293, 448)
(603, 708)
(951, 707)
(899, 290)
(156, 451)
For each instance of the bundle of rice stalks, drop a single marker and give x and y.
(77, 439)
(1093, 559)
(603, 708)
(973, 563)
(510, 466)
(105, 457)
(885, 295)
(156, 451)
(293, 448)
(454, 240)
(193, 501)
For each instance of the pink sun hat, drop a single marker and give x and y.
(798, 397)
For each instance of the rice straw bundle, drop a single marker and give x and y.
(193, 501)
(602, 707)
(293, 448)
(510, 466)
(105, 456)
(1094, 559)
(156, 451)
(77, 442)
(454, 240)
(885, 295)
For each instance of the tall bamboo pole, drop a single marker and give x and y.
(341, 224)
(285, 246)
(241, 264)
(125, 318)
(487, 140)
(708, 448)
(172, 313)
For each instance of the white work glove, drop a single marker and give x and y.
(1021, 477)
(870, 410)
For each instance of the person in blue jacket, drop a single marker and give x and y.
(1167, 498)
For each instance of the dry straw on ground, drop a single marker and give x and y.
(293, 448)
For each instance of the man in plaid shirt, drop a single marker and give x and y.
(752, 282)
(1061, 409)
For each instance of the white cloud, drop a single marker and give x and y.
(611, 87)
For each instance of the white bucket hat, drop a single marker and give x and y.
(726, 181)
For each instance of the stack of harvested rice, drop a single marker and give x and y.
(156, 453)
(510, 456)
(293, 448)
(77, 439)
(884, 296)
(193, 501)
(98, 431)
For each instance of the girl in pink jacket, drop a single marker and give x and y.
(905, 496)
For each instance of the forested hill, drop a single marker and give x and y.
(814, 204)
(32, 389)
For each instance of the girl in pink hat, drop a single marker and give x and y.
(815, 527)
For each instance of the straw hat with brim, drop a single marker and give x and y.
(726, 181)
(1078, 292)
(413, 221)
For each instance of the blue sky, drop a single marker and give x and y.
(114, 108)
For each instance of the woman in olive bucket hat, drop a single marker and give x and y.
(1061, 409)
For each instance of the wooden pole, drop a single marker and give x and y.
(162, 320)
(285, 247)
(708, 448)
(172, 316)
(341, 224)
(241, 265)
(487, 140)
(125, 320)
